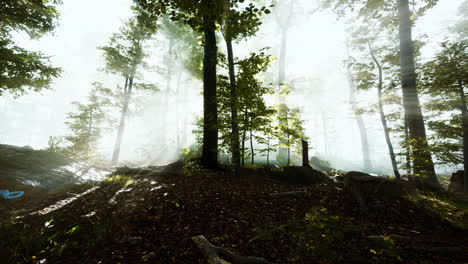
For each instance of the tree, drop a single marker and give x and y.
(238, 24)
(359, 119)
(202, 16)
(444, 79)
(291, 130)
(391, 14)
(20, 69)
(124, 55)
(366, 39)
(86, 125)
(255, 114)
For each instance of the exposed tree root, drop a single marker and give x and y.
(218, 255)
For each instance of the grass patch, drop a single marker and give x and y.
(121, 180)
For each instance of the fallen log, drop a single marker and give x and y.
(219, 255)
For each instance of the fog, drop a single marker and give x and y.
(316, 52)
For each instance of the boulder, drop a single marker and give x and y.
(457, 181)
(43, 169)
(301, 175)
(380, 187)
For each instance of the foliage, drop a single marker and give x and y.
(86, 125)
(444, 80)
(125, 53)
(20, 69)
(254, 114)
(383, 12)
(186, 45)
(120, 180)
(290, 130)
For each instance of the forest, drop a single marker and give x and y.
(233, 131)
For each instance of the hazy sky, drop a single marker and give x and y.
(315, 50)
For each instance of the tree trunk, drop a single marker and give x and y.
(252, 148)
(289, 152)
(235, 145)
(244, 136)
(422, 160)
(305, 154)
(382, 116)
(281, 82)
(209, 158)
(359, 120)
(464, 112)
(118, 141)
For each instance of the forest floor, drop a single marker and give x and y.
(150, 216)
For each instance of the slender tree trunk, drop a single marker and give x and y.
(359, 120)
(289, 152)
(464, 112)
(233, 93)
(282, 151)
(422, 159)
(251, 147)
(383, 118)
(90, 128)
(244, 135)
(209, 156)
(305, 154)
(123, 117)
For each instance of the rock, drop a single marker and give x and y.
(369, 185)
(301, 175)
(457, 181)
(43, 169)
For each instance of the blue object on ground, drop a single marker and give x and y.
(11, 195)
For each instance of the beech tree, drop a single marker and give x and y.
(124, 55)
(202, 16)
(370, 74)
(20, 69)
(358, 117)
(255, 114)
(238, 25)
(445, 80)
(391, 14)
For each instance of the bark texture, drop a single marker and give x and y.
(127, 96)
(209, 157)
(422, 159)
(235, 144)
(383, 117)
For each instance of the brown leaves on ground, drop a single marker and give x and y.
(152, 217)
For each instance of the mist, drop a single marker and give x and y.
(162, 126)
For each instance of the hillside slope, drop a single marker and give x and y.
(150, 215)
